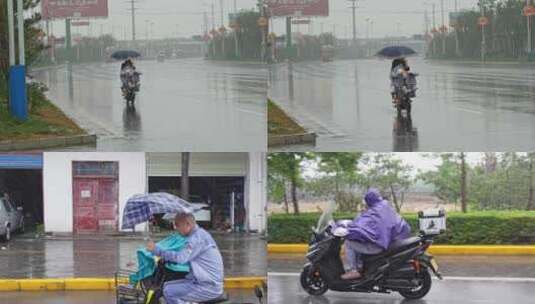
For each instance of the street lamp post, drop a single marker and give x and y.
(353, 11)
(17, 73)
(529, 46)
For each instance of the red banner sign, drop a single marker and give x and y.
(529, 11)
(280, 8)
(63, 9)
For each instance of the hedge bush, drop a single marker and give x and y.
(489, 227)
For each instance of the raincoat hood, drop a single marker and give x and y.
(372, 197)
(380, 224)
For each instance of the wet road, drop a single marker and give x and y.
(450, 265)
(460, 106)
(185, 104)
(93, 297)
(286, 289)
(98, 257)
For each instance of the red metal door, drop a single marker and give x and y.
(107, 205)
(85, 200)
(95, 197)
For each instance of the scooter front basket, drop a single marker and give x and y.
(125, 293)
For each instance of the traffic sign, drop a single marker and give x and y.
(483, 21)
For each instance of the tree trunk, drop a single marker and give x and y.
(531, 194)
(286, 207)
(463, 183)
(394, 198)
(184, 178)
(337, 189)
(294, 195)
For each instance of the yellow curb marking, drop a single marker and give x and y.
(102, 284)
(436, 249)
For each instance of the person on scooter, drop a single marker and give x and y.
(398, 73)
(372, 232)
(129, 73)
(205, 280)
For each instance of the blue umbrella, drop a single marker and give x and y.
(140, 208)
(125, 54)
(393, 52)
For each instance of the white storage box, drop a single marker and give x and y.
(432, 221)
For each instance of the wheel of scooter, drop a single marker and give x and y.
(420, 291)
(313, 284)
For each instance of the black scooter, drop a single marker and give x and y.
(405, 267)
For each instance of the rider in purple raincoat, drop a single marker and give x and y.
(372, 232)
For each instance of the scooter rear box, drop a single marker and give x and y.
(432, 221)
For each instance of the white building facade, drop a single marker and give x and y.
(86, 192)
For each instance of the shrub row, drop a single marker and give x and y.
(462, 229)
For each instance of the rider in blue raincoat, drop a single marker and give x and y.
(205, 280)
(372, 232)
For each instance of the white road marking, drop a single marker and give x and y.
(475, 279)
(470, 111)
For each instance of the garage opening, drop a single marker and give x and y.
(222, 199)
(21, 180)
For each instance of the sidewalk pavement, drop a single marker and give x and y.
(100, 257)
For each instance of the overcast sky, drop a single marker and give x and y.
(185, 17)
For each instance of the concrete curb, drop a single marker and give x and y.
(88, 284)
(292, 139)
(436, 249)
(48, 143)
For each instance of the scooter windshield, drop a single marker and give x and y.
(326, 218)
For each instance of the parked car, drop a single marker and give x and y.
(11, 219)
(204, 214)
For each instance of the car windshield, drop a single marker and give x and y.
(325, 218)
(6, 204)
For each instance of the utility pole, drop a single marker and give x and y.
(434, 28)
(18, 102)
(529, 46)
(457, 45)
(354, 9)
(11, 25)
(214, 27)
(221, 4)
(236, 42)
(426, 22)
(463, 183)
(367, 36)
(444, 28)
(133, 11)
(483, 40)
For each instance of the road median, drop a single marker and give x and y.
(436, 249)
(283, 130)
(99, 284)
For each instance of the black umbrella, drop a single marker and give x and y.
(125, 54)
(393, 52)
